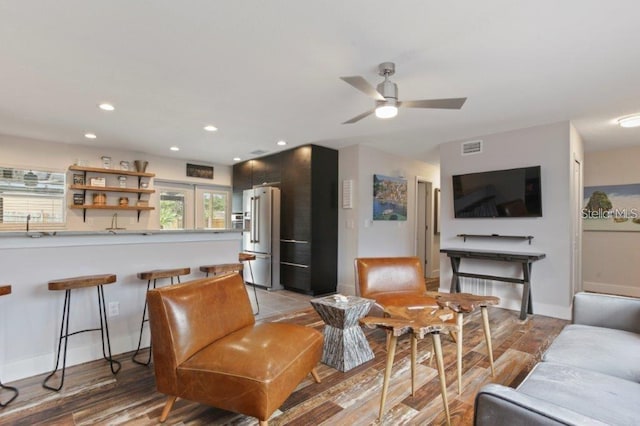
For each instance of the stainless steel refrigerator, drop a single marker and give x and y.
(261, 237)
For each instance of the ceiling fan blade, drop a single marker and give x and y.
(359, 117)
(363, 85)
(451, 103)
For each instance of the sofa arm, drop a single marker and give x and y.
(498, 405)
(603, 310)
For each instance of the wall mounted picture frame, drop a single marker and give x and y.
(199, 171)
(389, 198)
(611, 208)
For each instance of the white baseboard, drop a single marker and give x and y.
(44, 363)
(620, 290)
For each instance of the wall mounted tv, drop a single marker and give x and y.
(498, 193)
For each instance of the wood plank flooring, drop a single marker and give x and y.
(93, 396)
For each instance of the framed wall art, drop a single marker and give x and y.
(389, 198)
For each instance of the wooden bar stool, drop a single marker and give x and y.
(223, 268)
(154, 276)
(68, 284)
(248, 257)
(4, 290)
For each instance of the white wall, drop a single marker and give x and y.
(611, 260)
(551, 147)
(358, 234)
(27, 153)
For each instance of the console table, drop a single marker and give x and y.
(525, 259)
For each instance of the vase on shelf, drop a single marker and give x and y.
(141, 166)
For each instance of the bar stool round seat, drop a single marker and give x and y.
(157, 274)
(223, 268)
(73, 283)
(150, 276)
(4, 290)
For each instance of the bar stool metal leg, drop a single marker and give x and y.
(64, 334)
(144, 319)
(255, 292)
(10, 389)
(104, 331)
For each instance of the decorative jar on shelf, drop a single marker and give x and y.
(99, 198)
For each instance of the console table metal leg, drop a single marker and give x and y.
(455, 280)
(526, 291)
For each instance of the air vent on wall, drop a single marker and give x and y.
(472, 147)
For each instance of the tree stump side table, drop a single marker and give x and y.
(345, 345)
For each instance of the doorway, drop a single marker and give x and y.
(424, 223)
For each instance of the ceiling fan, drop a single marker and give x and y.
(386, 96)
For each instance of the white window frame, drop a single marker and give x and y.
(200, 190)
(187, 191)
(194, 205)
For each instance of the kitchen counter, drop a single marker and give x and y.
(22, 239)
(30, 315)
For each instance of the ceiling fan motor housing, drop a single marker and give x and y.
(388, 89)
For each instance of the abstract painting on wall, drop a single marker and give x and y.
(611, 208)
(389, 198)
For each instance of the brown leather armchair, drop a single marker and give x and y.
(207, 348)
(392, 281)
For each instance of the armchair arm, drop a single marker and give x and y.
(603, 310)
(498, 405)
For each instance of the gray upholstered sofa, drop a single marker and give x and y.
(590, 375)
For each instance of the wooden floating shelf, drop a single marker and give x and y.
(108, 207)
(110, 171)
(510, 237)
(111, 189)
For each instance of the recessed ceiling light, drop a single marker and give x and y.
(106, 107)
(174, 148)
(237, 159)
(630, 121)
(90, 135)
(210, 128)
(281, 143)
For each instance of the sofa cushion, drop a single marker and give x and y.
(605, 350)
(602, 397)
(249, 369)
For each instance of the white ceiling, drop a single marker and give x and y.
(267, 70)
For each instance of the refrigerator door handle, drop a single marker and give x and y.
(259, 219)
(253, 219)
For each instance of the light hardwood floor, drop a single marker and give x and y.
(92, 395)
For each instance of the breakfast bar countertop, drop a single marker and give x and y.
(51, 238)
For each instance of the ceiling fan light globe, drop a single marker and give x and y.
(386, 111)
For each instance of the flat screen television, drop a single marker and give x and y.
(498, 193)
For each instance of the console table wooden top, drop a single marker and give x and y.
(506, 256)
